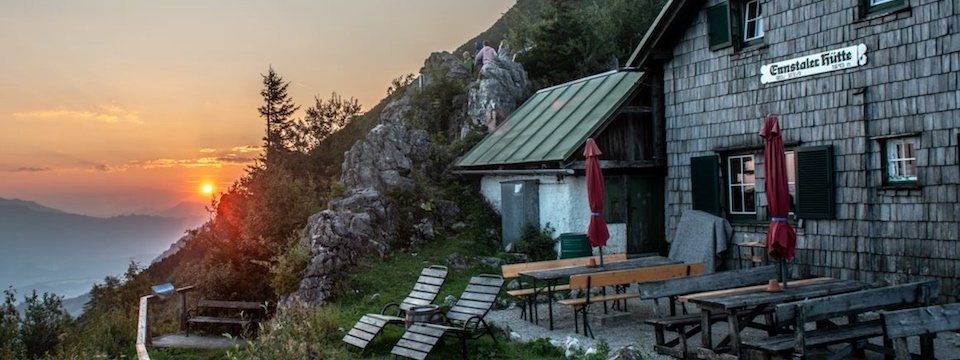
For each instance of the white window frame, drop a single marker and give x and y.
(736, 179)
(879, 2)
(791, 166)
(758, 20)
(900, 164)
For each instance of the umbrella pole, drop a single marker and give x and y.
(601, 256)
(783, 272)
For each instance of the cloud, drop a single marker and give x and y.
(216, 162)
(246, 149)
(208, 150)
(29, 169)
(108, 114)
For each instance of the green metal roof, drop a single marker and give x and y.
(555, 121)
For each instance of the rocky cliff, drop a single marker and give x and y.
(364, 220)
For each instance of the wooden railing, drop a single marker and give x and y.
(143, 329)
(143, 321)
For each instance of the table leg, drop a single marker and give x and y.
(706, 332)
(734, 320)
(535, 315)
(550, 285)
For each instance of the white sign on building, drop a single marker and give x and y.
(839, 59)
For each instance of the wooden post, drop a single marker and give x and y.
(143, 329)
(183, 310)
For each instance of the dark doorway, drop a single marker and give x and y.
(645, 206)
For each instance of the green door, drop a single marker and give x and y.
(645, 234)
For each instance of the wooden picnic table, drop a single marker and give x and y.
(552, 276)
(741, 306)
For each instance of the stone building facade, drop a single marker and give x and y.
(867, 96)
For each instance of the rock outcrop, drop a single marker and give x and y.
(503, 85)
(364, 220)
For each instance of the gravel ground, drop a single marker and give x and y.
(620, 329)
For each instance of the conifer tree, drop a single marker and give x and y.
(277, 110)
(43, 324)
(323, 118)
(10, 346)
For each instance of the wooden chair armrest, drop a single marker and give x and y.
(388, 306)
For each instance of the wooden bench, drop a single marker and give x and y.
(527, 295)
(687, 325)
(924, 322)
(586, 282)
(246, 314)
(801, 340)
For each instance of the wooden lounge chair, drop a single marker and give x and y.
(464, 320)
(423, 293)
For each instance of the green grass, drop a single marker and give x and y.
(392, 278)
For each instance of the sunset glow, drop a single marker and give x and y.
(114, 107)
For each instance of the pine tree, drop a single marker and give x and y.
(323, 118)
(277, 110)
(10, 346)
(43, 324)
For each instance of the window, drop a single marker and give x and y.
(753, 21)
(741, 185)
(876, 6)
(735, 23)
(809, 178)
(900, 160)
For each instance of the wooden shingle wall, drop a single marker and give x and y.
(714, 100)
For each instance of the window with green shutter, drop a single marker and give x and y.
(718, 26)
(871, 7)
(815, 185)
(705, 183)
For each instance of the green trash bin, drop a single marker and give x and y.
(574, 245)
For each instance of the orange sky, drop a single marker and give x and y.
(113, 106)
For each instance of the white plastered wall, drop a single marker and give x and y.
(563, 204)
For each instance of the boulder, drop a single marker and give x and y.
(629, 352)
(502, 86)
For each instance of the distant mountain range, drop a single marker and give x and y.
(49, 250)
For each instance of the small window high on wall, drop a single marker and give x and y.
(737, 23)
(900, 161)
(880, 6)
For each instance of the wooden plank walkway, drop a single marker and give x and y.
(195, 342)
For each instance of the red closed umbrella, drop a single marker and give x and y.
(781, 238)
(597, 231)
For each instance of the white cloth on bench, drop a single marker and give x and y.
(700, 237)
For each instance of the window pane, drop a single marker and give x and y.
(901, 164)
(750, 199)
(736, 200)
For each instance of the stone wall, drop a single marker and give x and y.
(714, 100)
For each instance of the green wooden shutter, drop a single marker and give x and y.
(815, 186)
(718, 26)
(614, 202)
(705, 183)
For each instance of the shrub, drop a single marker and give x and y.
(288, 266)
(536, 243)
(298, 331)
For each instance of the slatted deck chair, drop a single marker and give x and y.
(464, 320)
(423, 293)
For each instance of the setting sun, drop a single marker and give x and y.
(206, 188)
